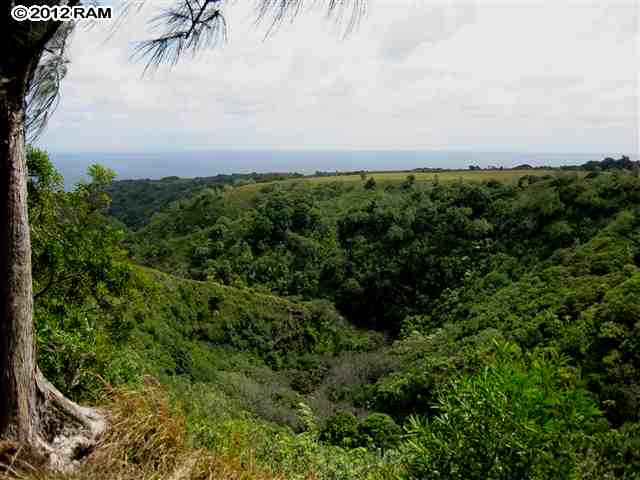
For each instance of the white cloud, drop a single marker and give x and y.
(545, 75)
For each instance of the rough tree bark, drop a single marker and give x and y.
(17, 350)
(32, 411)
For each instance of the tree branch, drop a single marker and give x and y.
(192, 24)
(52, 275)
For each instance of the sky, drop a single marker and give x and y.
(467, 75)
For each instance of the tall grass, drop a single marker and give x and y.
(147, 439)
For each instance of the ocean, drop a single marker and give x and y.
(73, 166)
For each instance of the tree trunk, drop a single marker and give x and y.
(17, 348)
(32, 411)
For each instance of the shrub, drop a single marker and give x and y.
(378, 430)
(518, 418)
(341, 429)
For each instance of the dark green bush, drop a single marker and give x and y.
(341, 429)
(378, 431)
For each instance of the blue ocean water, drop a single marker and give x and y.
(73, 166)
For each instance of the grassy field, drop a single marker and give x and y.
(443, 176)
(243, 195)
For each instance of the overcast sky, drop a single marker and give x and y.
(483, 75)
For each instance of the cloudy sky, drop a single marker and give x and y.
(472, 75)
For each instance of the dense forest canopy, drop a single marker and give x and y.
(354, 330)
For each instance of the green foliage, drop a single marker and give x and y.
(381, 256)
(518, 418)
(80, 276)
(409, 182)
(379, 431)
(274, 329)
(497, 323)
(136, 201)
(341, 429)
(376, 431)
(624, 163)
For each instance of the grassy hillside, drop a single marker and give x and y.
(243, 195)
(506, 176)
(135, 201)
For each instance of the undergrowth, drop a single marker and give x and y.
(152, 435)
(147, 439)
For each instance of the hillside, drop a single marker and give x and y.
(134, 202)
(340, 330)
(450, 270)
(184, 319)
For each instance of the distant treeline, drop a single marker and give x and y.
(135, 201)
(624, 163)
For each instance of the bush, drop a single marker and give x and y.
(341, 429)
(376, 431)
(519, 418)
(379, 430)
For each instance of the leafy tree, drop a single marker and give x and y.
(79, 272)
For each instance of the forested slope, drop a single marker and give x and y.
(335, 330)
(134, 202)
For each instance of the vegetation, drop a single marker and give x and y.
(329, 330)
(134, 202)
(32, 411)
(454, 274)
